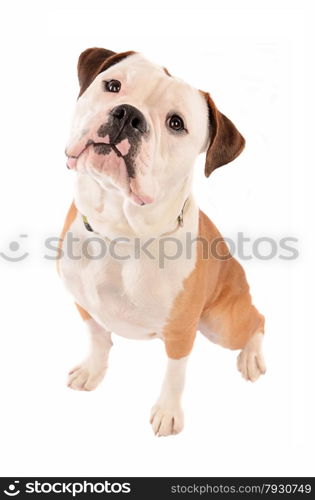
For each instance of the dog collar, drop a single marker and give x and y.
(180, 222)
(86, 223)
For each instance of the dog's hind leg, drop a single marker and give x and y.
(250, 361)
(232, 321)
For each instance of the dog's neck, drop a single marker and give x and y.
(111, 215)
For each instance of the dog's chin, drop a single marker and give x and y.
(111, 173)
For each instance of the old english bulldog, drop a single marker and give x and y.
(136, 133)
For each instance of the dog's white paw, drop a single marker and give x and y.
(250, 361)
(166, 420)
(88, 375)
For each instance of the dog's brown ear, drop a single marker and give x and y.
(226, 143)
(95, 60)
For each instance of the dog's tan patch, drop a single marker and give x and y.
(217, 293)
(83, 313)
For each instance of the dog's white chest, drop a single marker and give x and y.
(128, 290)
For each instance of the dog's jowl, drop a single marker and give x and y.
(141, 263)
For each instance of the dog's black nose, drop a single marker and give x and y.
(129, 118)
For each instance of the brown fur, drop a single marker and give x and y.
(83, 313)
(216, 294)
(95, 60)
(226, 143)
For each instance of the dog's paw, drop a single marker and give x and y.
(166, 421)
(87, 376)
(250, 361)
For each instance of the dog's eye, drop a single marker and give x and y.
(175, 123)
(112, 86)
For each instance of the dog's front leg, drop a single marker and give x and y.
(167, 415)
(87, 375)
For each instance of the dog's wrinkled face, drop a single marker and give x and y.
(138, 130)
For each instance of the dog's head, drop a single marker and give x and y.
(138, 130)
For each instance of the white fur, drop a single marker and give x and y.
(132, 297)
(250, 361)
(165, 159)
(166, 415)
(87, 375)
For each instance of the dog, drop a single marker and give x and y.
(136, 133)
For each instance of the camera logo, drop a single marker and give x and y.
(12, 490)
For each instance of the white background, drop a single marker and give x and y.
(254, 58)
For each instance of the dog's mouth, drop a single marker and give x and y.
(121, 150)
(104, 148)
(99, 147)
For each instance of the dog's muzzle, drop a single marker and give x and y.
(125, 125)
(118, 148)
